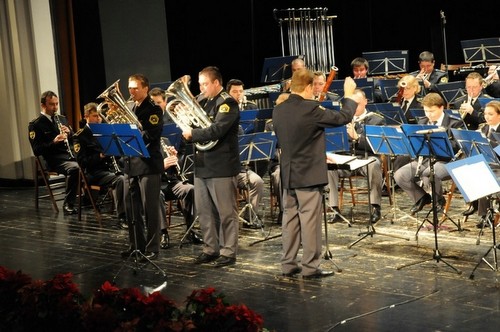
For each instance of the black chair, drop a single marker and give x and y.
(48, 184)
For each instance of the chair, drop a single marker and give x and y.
(90, 191)
(273, 199)
(55, 184)
(356, 188)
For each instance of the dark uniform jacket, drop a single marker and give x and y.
(471, 120)
(151, 118)
(437, 76)
(88, 152)
(41, 135)
(223, 160)
(300, 125)
(486, 132)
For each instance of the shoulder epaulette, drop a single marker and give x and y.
(79, 132)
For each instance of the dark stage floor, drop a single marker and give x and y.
(370, 293)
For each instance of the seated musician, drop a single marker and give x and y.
(319, 83)
(296, 64)
(408, 96)
(427, 74)
(175, 188)
(247, 177)
(414, 177)
(492, 81)
(469, 105)
(99, 169)
(362, 149)
(360, 68)
(492, 125)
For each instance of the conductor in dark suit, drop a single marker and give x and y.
(54, 144)
(414, 177)
(145, 173)
(299, 123)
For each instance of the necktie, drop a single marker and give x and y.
(405, 105)
(52, 118)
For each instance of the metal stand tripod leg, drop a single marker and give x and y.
(328, 254)
(437, 254)
(188, 231)
(254, 219)
(394, 207)
(136, 254)
(490, 216)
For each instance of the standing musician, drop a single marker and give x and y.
(408, 176)
(362, 149)
(145, 173)
(428, 75)
(215, 183)
(100, 169)
(299, 123)
(468, 105)
(50, 136)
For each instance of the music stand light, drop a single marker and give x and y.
(124, 140)
(432, 145)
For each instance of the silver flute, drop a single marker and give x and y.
(66, 141)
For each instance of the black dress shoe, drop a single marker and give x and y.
(165, 241)
(441, 202)
(376, 215)
(419, 205)
(195, 238)
(319, 274)
(205, 258)
(224, 261)
(336, 215)
(471, 209)
(122, 223)
(151, 255)
(293, 272)
(69, 209)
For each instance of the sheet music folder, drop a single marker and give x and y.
(438, 146)
(350, 163)
(120, 139)
(388, 141)
(461, 170)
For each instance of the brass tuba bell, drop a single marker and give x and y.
(118, 111)
(186, 112)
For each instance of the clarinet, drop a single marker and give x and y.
(177, 167)
(420, 160)
(66, 141)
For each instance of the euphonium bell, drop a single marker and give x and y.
(118, 111)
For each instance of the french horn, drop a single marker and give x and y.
(186, 112)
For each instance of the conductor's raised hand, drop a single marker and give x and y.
(349, 86)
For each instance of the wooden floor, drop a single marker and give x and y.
(372, 289)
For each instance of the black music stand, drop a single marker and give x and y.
(277, 69)
(254, 147)
(426, 141)
(388, 88)
(365, 84)
(123, 139)
(392, 113)
(173, 133)
(451, 91)
(387, 62)
(481, 50)
(389, 141)
(460, 171)
(248, 121)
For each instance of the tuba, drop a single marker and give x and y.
(186, 112)
(118, 112)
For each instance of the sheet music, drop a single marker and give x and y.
(349, 162)
(340, 158)
(482, 175)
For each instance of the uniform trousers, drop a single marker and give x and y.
(255, 185)
(109, 179)
(218, 214)
(144, 197)
(301, 224)
(69, 168)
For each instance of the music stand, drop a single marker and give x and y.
(460, 171)
(389, 141)
(123, 139)
(248, 120)
(392, 113)
(485, 100)
(277, 69)
(254, 147)
(451, 91)
(387, 62)
(481, 50)
(388, 88)
(173, 133)
(428, 141)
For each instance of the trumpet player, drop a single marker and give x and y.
(493, 83)
(469, 105)
(427, 74)
(48, 139)
(409, 176)
(99, 169)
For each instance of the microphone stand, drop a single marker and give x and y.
(443, 23)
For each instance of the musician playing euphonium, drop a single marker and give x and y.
(100, 169)
(405, 176)
(468, 105)
(49, 141)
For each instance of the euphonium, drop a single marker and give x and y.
(186, 112)
(120, 113)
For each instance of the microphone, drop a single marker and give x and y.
(431, 131)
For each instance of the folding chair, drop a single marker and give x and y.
(55, 184)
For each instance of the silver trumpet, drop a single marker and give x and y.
(61, 131)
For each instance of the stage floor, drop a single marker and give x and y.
(372, 289)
